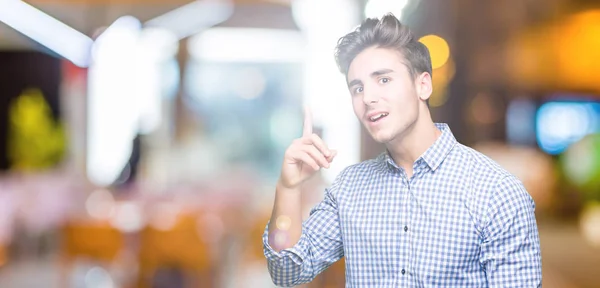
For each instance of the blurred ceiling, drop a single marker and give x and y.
(489, 42)
(87, 16)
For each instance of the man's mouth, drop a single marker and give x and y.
(378, 117)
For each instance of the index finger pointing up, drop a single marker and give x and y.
(307, 131)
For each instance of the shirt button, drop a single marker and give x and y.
(403, 271)
(405, 228)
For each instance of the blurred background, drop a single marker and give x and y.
(140, 141)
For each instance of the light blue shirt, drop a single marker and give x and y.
(459, 221)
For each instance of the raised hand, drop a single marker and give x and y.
(305, 156)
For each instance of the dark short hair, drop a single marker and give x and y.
(386, 32)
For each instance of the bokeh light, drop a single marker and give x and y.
(377, 8)
(483, 109)
(127, 217)
(441, 78)
(560, 124)
(100, 204)
(283, 222)
(581, 165)
(438, 50)
(589, 224)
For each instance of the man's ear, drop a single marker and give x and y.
(424, 86)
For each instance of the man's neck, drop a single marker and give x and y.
(409, 147)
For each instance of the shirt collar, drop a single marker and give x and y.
(435, 154)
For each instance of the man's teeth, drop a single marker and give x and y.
(378, 116)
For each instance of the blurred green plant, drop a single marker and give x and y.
(35, 141)
(581, 166)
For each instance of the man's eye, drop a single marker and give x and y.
(358, 90)
(384, 80)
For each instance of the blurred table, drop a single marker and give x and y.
(567, 260)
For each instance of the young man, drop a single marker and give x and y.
(428, 212)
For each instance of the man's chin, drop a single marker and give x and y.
(379, 138)
(378, 135)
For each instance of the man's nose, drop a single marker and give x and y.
(370, 96)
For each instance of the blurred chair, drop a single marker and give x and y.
(96, 241)
(179, 250)
(3, 255)
(252, 244)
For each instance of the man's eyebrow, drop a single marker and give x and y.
(354, 82)
(373, 74)
(381, 72)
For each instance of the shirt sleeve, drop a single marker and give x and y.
(510, 250)
(320, 245)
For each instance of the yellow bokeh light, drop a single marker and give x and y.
(438, 49)
(576, 46)
(441, 79)
(283, 222)
(589, 223)
(560, 55)
(438, 97)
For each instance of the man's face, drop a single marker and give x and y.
(384, 94)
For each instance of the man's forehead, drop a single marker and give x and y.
(374, 59)
(364, 74)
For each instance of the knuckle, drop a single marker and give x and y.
(288, 153)
(297, 143)
(292, 149)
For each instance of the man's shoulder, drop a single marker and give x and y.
(489, 184)
(490, 180)
(482, 167)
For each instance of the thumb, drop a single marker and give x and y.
(332, 155)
